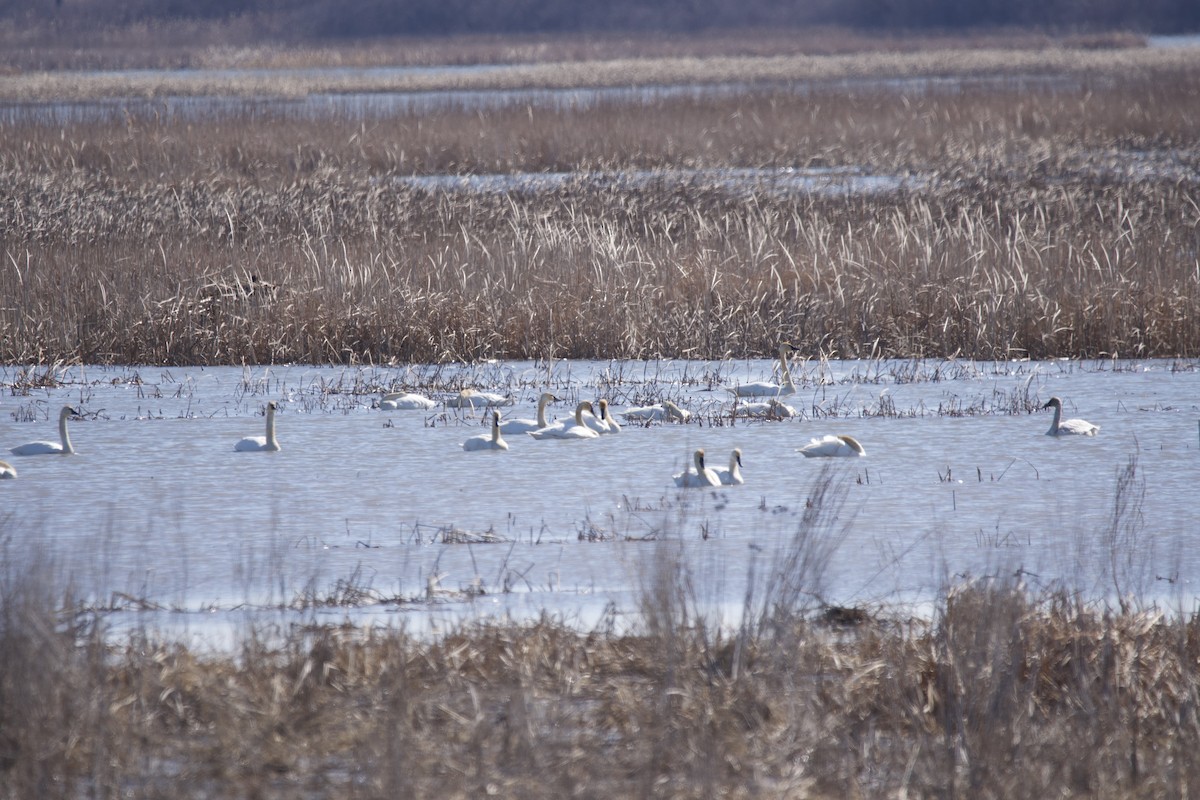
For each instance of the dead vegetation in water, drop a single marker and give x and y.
(1054, 221)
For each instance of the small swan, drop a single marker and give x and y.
(1066, 427)
(832, 447)
(563, 430)
(771, 409)
(767, 388)
(659, 412)
(470, 398)
(268, 443)
(47, 448)
(7, 470)
(404, 401)
(698, 477)
(527, 425)
(487, 441)
(733, 475)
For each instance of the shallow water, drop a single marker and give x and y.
(157, 508)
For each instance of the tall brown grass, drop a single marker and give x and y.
(1052, 221)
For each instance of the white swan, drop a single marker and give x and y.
(771, 409)
(405, 401)
(470, 398)
(666, 410)
(733, 475)
(7, 470)
(565, 430)
(487, 441)
(527, 425)
(698, 477)
(602, 421)
(1066, 427)
(268, 443)
(62, 447)
(832, 447)
(767, 388)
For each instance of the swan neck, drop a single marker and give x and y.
(271, 443)
(541, 415)
(1057, 418)
(63, 432)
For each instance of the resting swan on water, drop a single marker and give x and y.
(733, 475)
(265, 444)
(7, 470)
(470, 398)
(47, 448)
(659, 412)
(403, 401)
(487, 441)
(833, 447)
(564, 430)
(697, 477)
(767, 388)
(1064, 427)
(527, 425)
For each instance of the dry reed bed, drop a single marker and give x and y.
(1055, 222)
(1091, 64)
(1001, 694)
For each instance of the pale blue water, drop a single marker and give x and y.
(157, 506)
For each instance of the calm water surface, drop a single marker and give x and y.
(959, 480)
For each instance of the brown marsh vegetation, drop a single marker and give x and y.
(1050, 218)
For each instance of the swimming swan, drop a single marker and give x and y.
(602, 422)
(527, 425)
(767, 388)
(699, 477)
(403, 401)
(1064, 427)
(268, 443)
(771, 409)
(563, 430)
(666, 410)
(487, 441)
(470, 398)
(47, 448)
(7, 470)
(832, 447)
(733, 475)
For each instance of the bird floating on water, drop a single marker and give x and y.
(61, 447)
(1067, 427)
(261, 444)
(840, 446)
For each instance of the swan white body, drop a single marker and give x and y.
(768, 388)
(261, 444)
(659, 412)
(61, 447)
(1068, 427)
(527, 425)
(405, 401)
(487, 441)
(733, 475)
(7, 470)
(563, 430)
(833, 447)
(470, 398)
(771, 409)
(697, 477)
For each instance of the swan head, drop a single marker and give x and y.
(698, 456)
(737, 455)
(68, 411)
(853, 444)
(1053, 402)
(584, 405)
(495, 419)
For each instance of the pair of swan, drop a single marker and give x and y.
(701, 476)
(603, 421)
(405, 401)
(487, 441)
(767, 388)
(575, 429)
(659, 412)
(1068, 427)
(261, 444)
(840, 446)
(62, 447)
